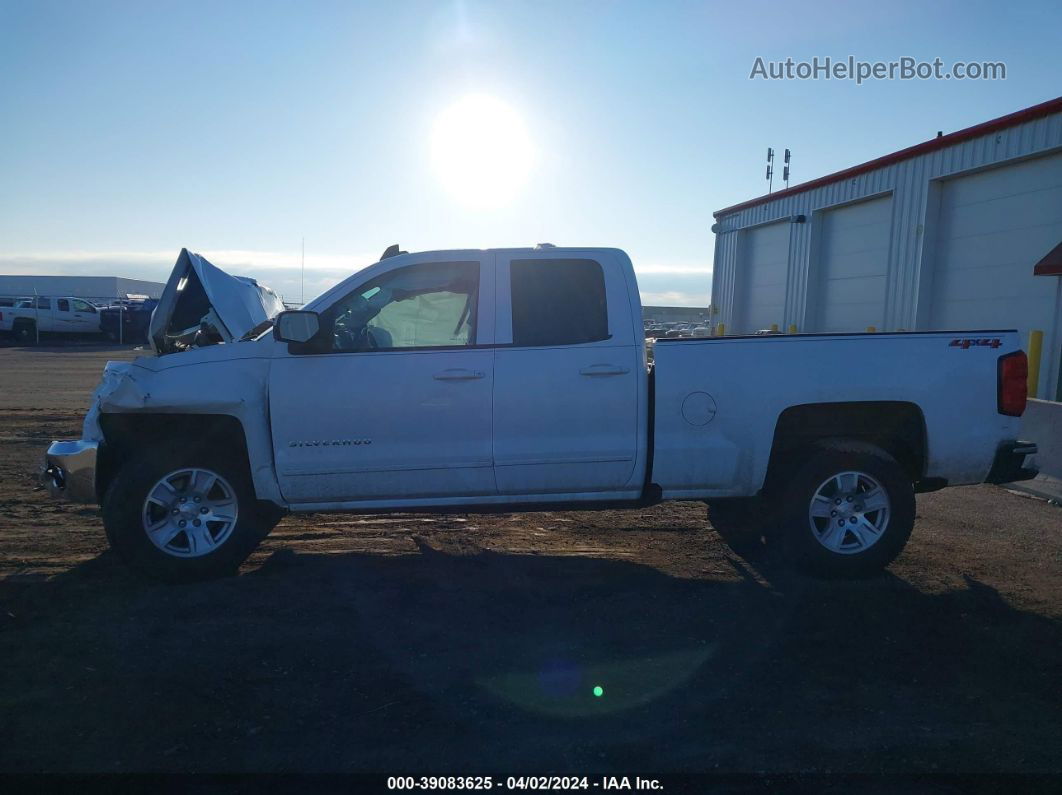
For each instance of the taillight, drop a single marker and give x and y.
(1013, 387)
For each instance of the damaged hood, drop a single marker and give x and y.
(202, 305)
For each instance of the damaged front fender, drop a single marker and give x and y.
(204, 382)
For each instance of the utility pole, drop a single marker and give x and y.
(302, 285)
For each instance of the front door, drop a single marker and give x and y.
(74, 316)
(397, 403)
(86, 319)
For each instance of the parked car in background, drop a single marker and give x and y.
(517, 379)
(32, 317)
(128, 321)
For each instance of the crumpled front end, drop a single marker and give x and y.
(69, 471)
(202, 305)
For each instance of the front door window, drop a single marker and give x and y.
(420, 306)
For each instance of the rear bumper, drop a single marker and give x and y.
(1009, 464)
(69, 471)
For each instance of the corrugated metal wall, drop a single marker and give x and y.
(89, 287)
(911, 183)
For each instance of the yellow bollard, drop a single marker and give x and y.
(774, 327)
(872, 329)
(792, 328)
(720, 330)
(1036, 344)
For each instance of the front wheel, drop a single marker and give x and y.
(25, 333)
(184, 518)
(847, 511)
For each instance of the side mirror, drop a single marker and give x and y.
(296, 326)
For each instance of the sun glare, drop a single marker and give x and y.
(481, 151)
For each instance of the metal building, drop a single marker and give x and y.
(946, 234)
(101, 289)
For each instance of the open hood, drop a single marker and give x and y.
(203, 305)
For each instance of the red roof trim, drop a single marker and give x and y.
(1019, 117)
(1051, 264)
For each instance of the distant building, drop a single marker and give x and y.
(99, 289)
(676, 314)
(958, 232)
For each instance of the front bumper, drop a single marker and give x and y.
(69, 471)
(1008, 465)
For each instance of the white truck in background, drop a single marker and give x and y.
(517, 379)
(30, 317)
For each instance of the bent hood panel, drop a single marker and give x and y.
(198, 291)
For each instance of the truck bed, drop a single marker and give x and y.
(719, 400)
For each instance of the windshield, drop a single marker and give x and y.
(257, 331)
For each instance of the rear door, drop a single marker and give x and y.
(566, 378)
(44, 313)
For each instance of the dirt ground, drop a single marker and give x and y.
(472, 644)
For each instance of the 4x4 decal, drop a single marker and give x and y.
(967, 342)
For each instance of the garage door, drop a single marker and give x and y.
(759, 298)
(848, 291)
(994, 227)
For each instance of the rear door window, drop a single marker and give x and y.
(558, 302)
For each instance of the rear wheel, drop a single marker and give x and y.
(182, 518)
(847, 511)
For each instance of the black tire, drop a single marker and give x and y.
(740, 523)
(124, 502)
(801, 543)
(25, 333)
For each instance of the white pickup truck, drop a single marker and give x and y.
(64, 315)
(516, 379)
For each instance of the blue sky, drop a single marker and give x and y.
(131, 129)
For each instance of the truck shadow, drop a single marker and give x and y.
(504, 663)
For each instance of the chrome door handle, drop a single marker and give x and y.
(457, 374)
(604, 369)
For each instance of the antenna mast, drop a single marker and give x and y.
(302, 279)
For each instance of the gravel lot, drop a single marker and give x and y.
(471, 644)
